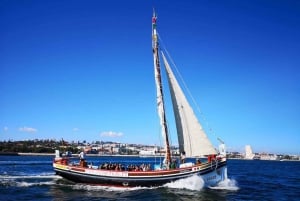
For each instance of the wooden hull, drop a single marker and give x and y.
(212, 173)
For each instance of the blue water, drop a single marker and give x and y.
(32, 178)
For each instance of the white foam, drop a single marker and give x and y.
(28, 184)
(227, 184)
(30, 177)
(107, 188)
(192, 183)
(29, 180)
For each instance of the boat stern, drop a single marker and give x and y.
(60, 162)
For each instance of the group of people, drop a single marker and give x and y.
(112, 166)
(135, 167)
(142, 167)
(115, 166)
(121, 167)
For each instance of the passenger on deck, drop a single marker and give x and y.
(82, 155)
(182, 157)
(82, 162)
(173, 164)
(211, 158)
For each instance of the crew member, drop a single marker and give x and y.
(182, 157)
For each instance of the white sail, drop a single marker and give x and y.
(191, 136)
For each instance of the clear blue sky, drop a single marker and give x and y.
(83, 70)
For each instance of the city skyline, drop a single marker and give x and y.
(84, 70)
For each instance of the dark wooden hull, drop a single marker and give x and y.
(211, 173)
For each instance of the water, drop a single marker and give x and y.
(32, 178)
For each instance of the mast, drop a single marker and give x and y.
(159, 91)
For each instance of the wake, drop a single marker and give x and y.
(227, 184)
(50, 176)
(88, 187)
(28, 180)
(194, 183)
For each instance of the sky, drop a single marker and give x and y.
(83, 70)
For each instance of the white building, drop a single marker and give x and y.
(249, 155)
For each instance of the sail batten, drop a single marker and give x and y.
(191, 136)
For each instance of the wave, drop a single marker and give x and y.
(227, 184)
(30, 180)
(49, 179)
(28, 184)
(40, 176)
(88, 187)
(191, 183)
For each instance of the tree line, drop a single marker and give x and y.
(35, 146)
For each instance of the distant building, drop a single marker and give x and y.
(148, 151)
(265, 156)
(249, 155)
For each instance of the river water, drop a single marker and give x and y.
(33, 178)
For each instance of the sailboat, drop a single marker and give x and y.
(192, 139)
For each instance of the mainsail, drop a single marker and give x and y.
(191, 136)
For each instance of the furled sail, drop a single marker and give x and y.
(191, 136)
(159, 92)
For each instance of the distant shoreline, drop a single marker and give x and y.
(91, 155)
(36, 154)
(107, 155)
(53, 154)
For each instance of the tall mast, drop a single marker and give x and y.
(159, 90)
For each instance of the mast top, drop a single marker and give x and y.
(154, 17)
(154, 32)
(154, 14)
